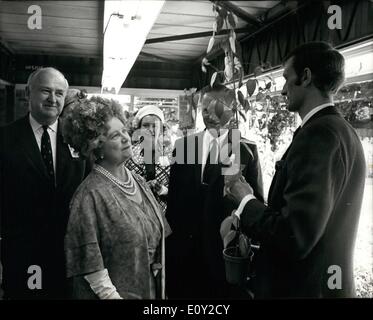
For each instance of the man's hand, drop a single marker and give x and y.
(238, 189)
(155, 186)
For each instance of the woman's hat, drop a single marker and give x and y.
(149, 110)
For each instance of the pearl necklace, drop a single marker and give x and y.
(129, 187)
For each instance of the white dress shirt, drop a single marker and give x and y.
(207, 144)
(314, 111)
(37, 128)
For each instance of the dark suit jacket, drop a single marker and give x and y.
(194, 262)
(34, 212)
(313, 210)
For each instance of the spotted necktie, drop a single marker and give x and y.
(46, 152)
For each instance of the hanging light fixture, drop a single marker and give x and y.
(126, 26)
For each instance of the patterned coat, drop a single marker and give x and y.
(162, 172)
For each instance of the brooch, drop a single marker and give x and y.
(74, 154)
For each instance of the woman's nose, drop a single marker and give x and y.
(125, 136)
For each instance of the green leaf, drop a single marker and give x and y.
(231, 20)
(246, 107)
(205, 62)
(260, 96)
(240, 97)
(211, 44)
(225, 46)
(240, 78)
(258, 71)
(203, 68)
(196, 96)
(267, 65)
(244, 245)
(222, 12)
(231, 236)
(232, 43)
(213, 78)
(250, 87)
(268, 85)
(228, 72)
(242, 115)
(214, 26)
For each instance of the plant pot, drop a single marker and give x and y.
(236, 267)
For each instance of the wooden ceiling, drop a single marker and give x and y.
(75, 28)
(183, 28)
(72, 28)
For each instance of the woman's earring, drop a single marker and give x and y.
(101, 156)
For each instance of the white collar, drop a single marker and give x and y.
(314, 111)
(209, 137)
(36, 125)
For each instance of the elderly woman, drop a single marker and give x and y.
(73, 97)
(151, 159)
(115, 236)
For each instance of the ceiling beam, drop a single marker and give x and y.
(240, 13)
(133, 22)
(291, 7)
(5, 46)
(153, 56)
(193, 35)
(272, 16)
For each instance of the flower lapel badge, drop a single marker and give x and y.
(74, 154)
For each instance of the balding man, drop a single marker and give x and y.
(196, 205)
(38, 176)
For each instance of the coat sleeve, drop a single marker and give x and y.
(253, 170)
(2, 183)
(82, 250)
(313, 173)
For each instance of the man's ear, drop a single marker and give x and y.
(307, 77)
(27, 92)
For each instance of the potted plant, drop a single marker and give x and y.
(237, 254)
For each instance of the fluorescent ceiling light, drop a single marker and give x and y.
(126, 26)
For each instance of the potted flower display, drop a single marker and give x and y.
(237, 254)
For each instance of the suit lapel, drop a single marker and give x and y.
(62, 157)
(218, 172)
(27, 141)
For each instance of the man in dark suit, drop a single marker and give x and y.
(38, 176)
(196, 204)
(308, 230)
